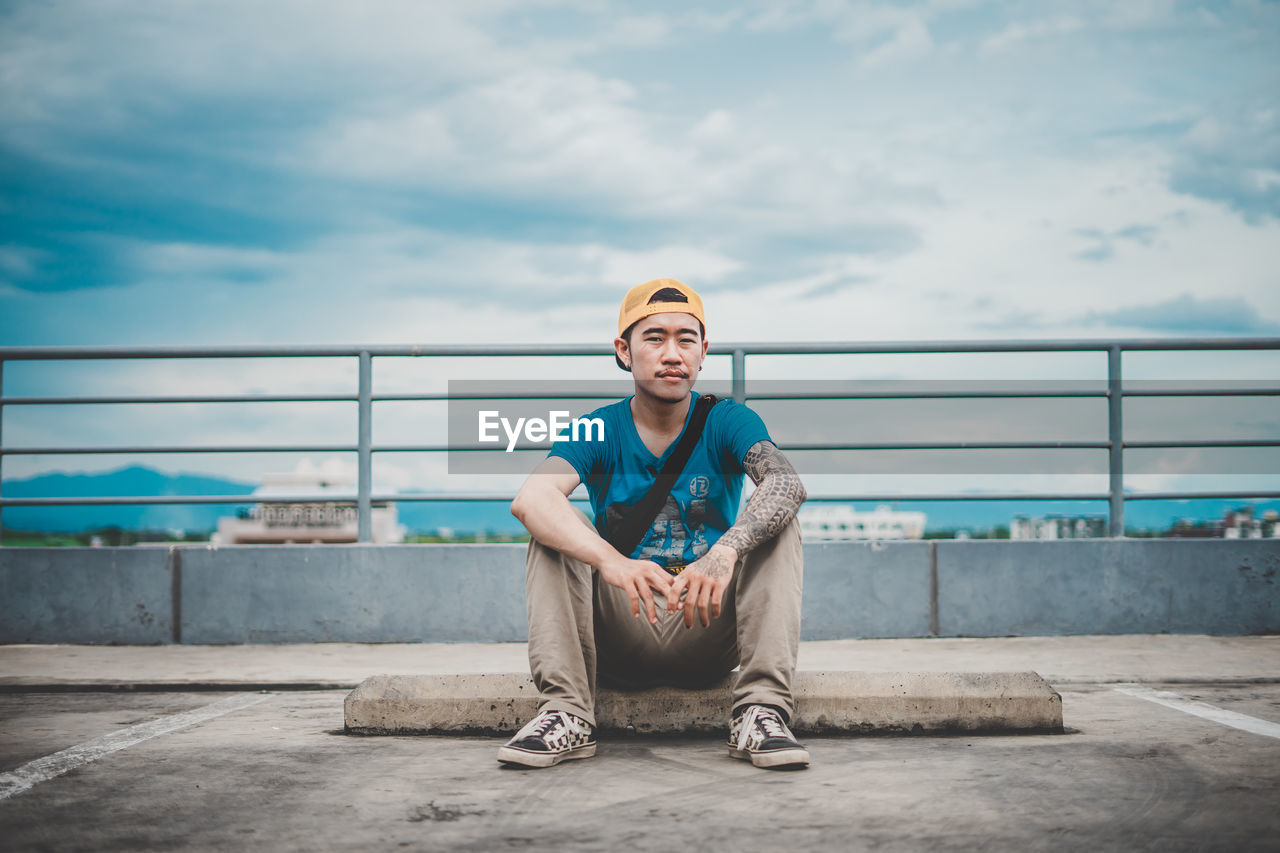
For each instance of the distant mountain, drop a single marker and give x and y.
(471, 517)
(134, 481)
(140, 481)
(457, 516)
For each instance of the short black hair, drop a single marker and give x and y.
(666, 294)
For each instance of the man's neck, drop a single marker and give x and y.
(659, 416)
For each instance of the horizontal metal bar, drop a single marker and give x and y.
(81, 451)
(491, 497)
(469, 448)
(159, 499)
(1202, 392)
(833, 395)
(1169, 496)
(1151, 344)
(405, 350)
(282, 448)
(922, 395)
(516, 396)
(501, 350)
(1015, 496)
(1060, 345)
(985, 496)
(272, 398)
(886, 445)
(954, 445)
(494, 497)
(882, 445)
(499, 447)
(1244, 442)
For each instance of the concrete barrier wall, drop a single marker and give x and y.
(1108, 586)
(865, 589)
(86, 595)
(438, 593)
(353, 594)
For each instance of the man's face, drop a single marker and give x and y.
(665, 354)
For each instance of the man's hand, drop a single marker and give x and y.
(637, 578)
(703, 582)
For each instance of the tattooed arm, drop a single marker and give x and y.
(773, 505)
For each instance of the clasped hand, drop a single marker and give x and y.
(701, 585)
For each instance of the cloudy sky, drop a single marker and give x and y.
(482, 172)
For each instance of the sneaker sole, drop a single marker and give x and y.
(775, 758)
(527, 758)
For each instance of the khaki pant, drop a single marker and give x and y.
(580, 626)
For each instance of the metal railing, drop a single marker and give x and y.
(364, 398)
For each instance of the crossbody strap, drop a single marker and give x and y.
(631, 528)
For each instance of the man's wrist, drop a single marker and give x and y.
(606, 561)
(732, 551)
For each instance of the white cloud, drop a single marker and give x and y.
(549, 136)
(1136, 14)
(1019, 253)
(358, 284)
(1016, 33)
(639, 31)
(382, 148)
(20, 260)
(1233, 159)
(910, 40)
(715, 131)
(180, 261)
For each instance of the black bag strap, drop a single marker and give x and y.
(631, 528)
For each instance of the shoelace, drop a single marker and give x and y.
(767, 719)
(544, 722)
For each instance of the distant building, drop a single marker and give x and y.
(1241, 524)
(1235, 524)
(1189, 528)
(1058, 527)
(841, 523)
(279, 519)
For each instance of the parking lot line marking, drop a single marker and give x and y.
(43, 769)
(1201, 709)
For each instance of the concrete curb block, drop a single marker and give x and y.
(827, 702)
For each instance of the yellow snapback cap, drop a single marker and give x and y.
(636, 305)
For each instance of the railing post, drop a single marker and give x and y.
(1115, 434)
(364, 474)
(1, 447)
(739, 376)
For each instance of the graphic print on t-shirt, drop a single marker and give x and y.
(665, 542)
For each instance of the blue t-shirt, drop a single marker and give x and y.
(619, 470)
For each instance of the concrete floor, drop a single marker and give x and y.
(1061, 660)
(281, 775)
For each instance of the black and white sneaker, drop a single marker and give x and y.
(548, 739)
(760, 735)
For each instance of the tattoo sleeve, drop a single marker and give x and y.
(774, 503)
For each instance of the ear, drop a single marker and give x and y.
(622, 351)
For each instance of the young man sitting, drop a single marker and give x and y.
(735, 578)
